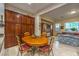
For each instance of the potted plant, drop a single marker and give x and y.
(73, 29)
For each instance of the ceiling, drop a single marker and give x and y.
(60, 13)
(64, 12)
(33, 7)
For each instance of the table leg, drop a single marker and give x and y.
(33, 50)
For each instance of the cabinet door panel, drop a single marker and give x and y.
(9, 16)
(10, 38)
(18, 18)
(23, 28)
(9, 28)
(28, 20)
(28, 28)
(10, 41)
(31, 29)
(17, 29)
(32, 20)
(24, 19)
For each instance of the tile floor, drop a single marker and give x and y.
(58, 50)
(64, 50)
(14, 52)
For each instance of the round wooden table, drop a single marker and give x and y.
(41, 41)
(35, 42)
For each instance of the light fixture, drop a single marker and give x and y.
(29, 3)
(17, 15)
(72, 12)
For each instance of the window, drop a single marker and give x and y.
(58, 27)
(72, 26)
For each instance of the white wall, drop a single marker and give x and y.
(2, 29)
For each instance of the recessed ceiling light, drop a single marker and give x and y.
(72, 12)
(29, 3)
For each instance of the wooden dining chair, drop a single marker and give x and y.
(23, 47)
(44, 34)
(26, 34)
(46, 49)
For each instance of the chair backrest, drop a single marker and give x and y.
(51, 41)
(26, 34)
(18, 40)
(44, 34)
(33, 36)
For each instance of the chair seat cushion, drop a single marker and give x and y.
(44, 48)
(24, 47)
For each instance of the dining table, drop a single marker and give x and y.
(35, 42)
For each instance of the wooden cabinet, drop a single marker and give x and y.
(16, 24)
